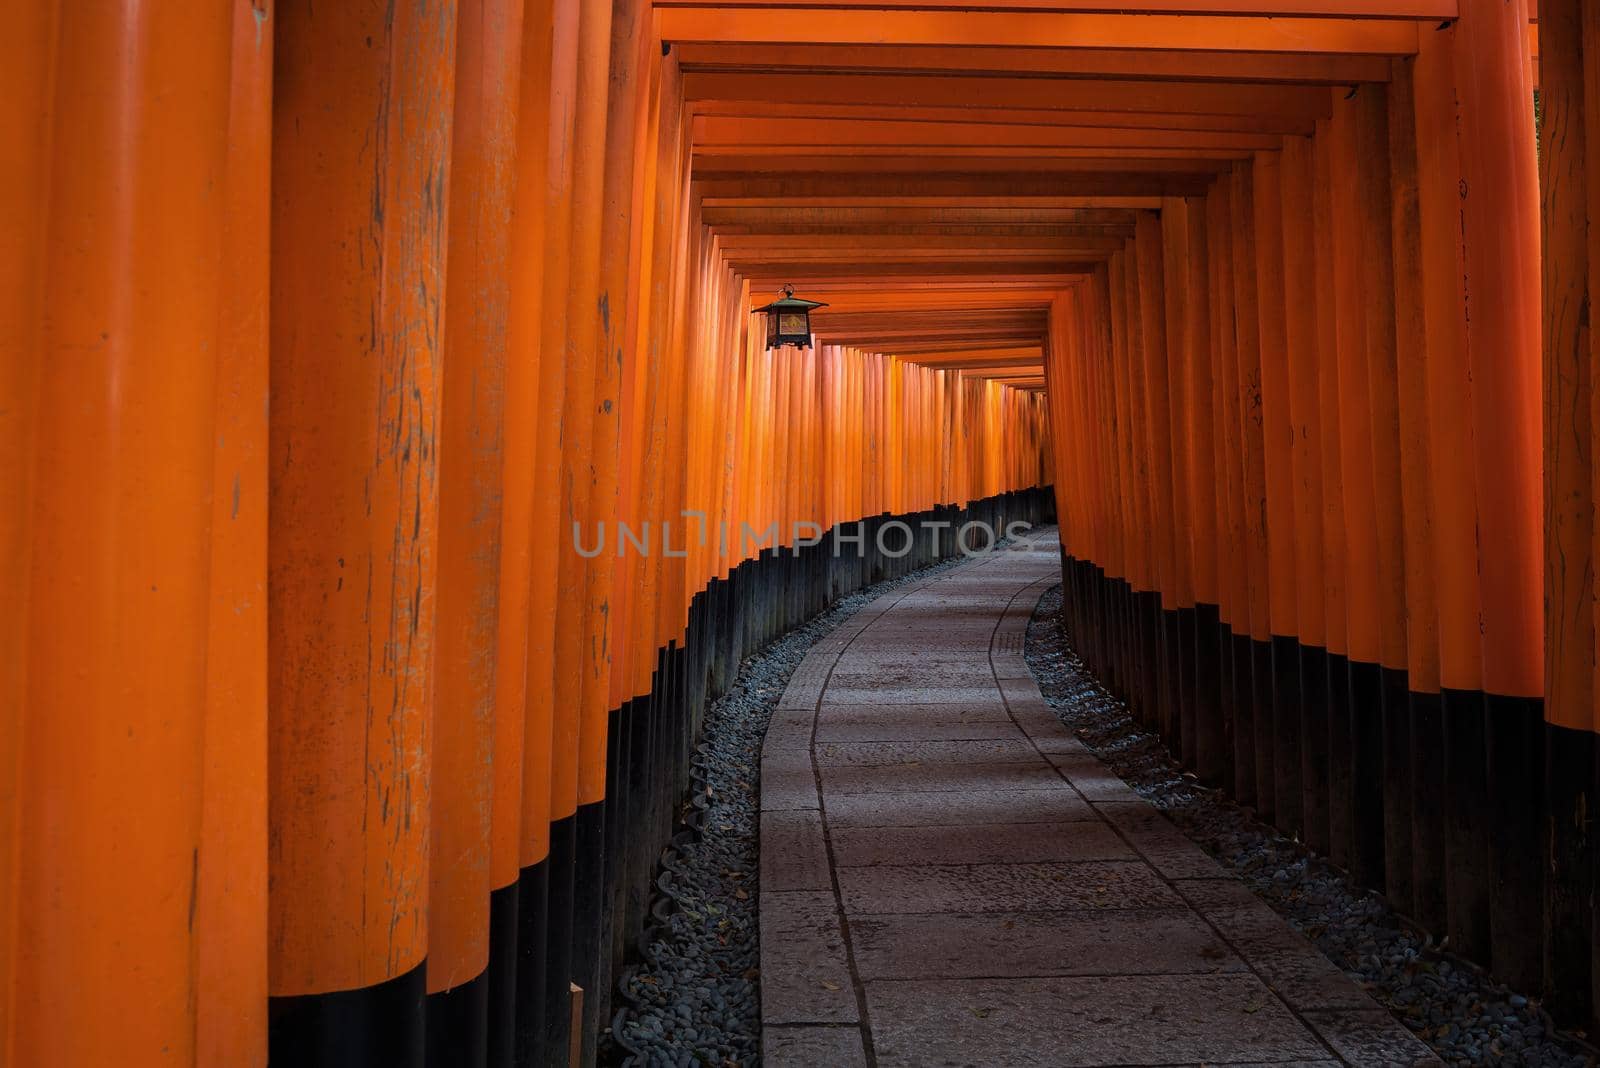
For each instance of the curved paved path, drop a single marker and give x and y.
(949, 878)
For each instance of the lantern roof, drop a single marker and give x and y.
(789, 303)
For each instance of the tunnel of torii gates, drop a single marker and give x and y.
(335, 335)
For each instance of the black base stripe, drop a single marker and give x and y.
(502, 1002)
(379, 1026)
(458, 1025)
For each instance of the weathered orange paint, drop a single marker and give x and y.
(358, 239)
(114, 347)
(470, 733)
(231, 898)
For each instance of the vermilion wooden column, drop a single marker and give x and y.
(1157, 443)
(1302, 298)
(1279, 689)
(612, 353)
(1252, 685)
(545, 159)
(1320, 674)
(1200, 391)
(1388, 686)
(1175, 234)
(1500, 228)
(231, 901)
(362, 120)
(27, 56)
(111, 338)
(1454, 544)
(1569, 57)
(471, 736)
(1422, 845)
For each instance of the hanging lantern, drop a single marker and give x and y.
(789, 320)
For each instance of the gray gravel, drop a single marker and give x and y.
(1467, 1018)
(694, 997)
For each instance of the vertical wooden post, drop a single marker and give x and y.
(25, 130)
(1327, 676)
(1457, 731)
(231, 899)
(1375, 207)
(117, 379)
(1306, 677)
(360, 177)
(1280, 667)
(1569, 52)
(1421, 846)
(1500, 228)
(472, 737)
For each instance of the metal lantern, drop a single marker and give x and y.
(789, 320)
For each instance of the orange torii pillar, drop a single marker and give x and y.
(361, 146)
(476, 744)
(127, 345)
(1569, 57)
(1499, 217)
(547, 132)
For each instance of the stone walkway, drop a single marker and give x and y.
(949, 878)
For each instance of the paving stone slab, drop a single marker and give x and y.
(1068, 1022)
(794, 855)
(1032, 887)
(917, 729)
(919, 808)
(876, 673)
(978, 843)
(1169, 850)
(787, 780)
(1091, 778)
(962, 778)
(1370, 1038)
(924, 693)
(1007, 944)
(805, 975)
(837, 713)
(812, 1047)
(787, 738)
(881, 754)
(1010, 668)
(1290, 965)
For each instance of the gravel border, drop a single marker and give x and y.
(693, 996)
(1465, 1016)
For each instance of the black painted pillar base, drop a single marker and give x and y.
(458, 1025)
(1266, 725)
(1242, 651)
(379, 1026)
(1288, 729)
(1466, 839)
(1569, 896)
(1366, 773)
(1210, 761)
(556, 1013)
(1429, 811)
(1183, 743)
(1399, 778)
(1341, 762)
(1314, 781)
(589, 900)
(504, 905)
(1516, 791)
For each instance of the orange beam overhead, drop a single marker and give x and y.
(1294, 68)
(1368, 9)
(980, 94)
(771, 23)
